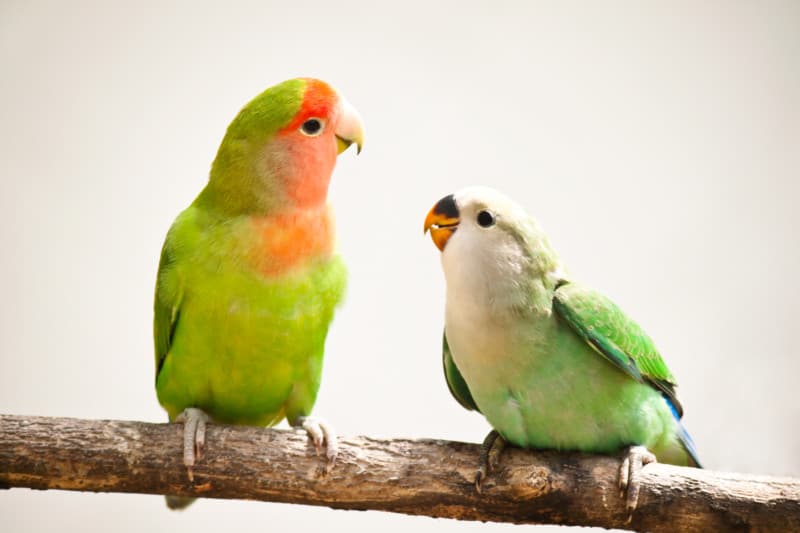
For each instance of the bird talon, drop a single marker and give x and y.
(623, 476)
(194, 436)
(636, 458)
(489, 459)
(480, 475)
(331, 454)
(331, 463)
(321, 434)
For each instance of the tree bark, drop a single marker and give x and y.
(417, 477)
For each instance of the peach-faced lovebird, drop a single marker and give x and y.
(249, 276)
(548, 361)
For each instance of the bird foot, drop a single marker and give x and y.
(630, 471)
(194, 436)
(489, 459)
(321, 434)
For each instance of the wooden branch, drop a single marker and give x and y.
(417, 477)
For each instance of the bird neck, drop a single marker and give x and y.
(268, 177)
(509, 281)
(292, 239)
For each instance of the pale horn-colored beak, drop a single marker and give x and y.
(350, 128)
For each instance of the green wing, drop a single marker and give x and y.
(169, 294)
(608, 330)
(455, 381)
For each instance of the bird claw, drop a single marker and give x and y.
(194, 436)
(630, 470)
(489, 459)
(321, 434)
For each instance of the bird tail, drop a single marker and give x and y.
(178, 503)
(688, 445)
(683, 436)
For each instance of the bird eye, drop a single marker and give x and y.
(311, 127)
(485, 219)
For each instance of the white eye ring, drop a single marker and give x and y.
(312, 127)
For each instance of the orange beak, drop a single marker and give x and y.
(442, 221)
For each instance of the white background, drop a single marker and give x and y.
(658, 143)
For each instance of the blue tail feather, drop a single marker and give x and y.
(683, 435)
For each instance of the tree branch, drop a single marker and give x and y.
(417, 477)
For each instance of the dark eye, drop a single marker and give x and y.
(485, 219)
(311, 127)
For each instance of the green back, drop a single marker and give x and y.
(612, 334)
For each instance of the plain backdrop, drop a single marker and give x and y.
(657, 142)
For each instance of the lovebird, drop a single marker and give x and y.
(549, 362)
(249, 276)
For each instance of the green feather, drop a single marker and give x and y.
(167, 304)
(455, 381)
(610, 332)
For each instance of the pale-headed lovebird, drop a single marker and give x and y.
(249, 275)
(550, 363)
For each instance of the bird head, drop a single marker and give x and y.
(280, 150)
(488, 239)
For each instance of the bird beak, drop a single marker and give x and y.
(442, 221)
(350, 128)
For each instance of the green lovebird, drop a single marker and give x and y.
(549, 362)
(249, 276)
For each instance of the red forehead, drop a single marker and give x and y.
(319, 100)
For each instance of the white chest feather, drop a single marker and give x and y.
(487, 298)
